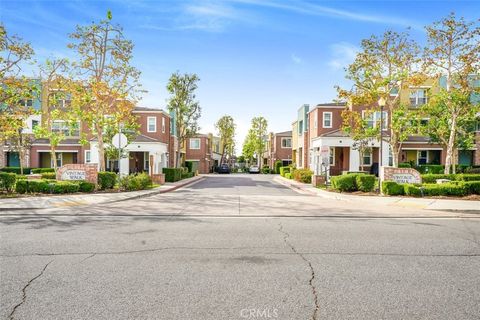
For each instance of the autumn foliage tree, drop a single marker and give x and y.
(107, 86)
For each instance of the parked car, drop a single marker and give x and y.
(224, 168)
(254, 169)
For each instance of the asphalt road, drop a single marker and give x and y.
(238, 247)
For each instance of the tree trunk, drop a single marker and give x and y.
(450, 145)
(101, 151)
(395, 153)
(53, 157)
(20, 155)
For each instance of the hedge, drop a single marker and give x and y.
(473, 170)
(34, 186)
(85, 186)
(42, 170)
(284, 170)
(412, 190)
(365, 182)
(266, 169)
(432, 178)
(7, 181)
(65, 187)
(134, 182)
(444, 189)
(404, 165)
(473, 187)
(186, 175)
(172, 174)
(278, 164)
(49, 175)
(392, 188)
(288, 175)
(430, 168)
(344, 183)
(303, 175)
(16, 170)
(468, 177)
(106, 180)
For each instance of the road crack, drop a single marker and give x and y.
(312, 271)
(24, 291)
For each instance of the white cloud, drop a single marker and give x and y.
(343, 53)
(296, 59)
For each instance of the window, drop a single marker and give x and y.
(418, 97)
(146, 161)
(152, 124)
(327, 119)
(332, 156)
(300, 127)
(422, 157)
(58, 159)
(163, 125)
(367, 158)
(195, 143)
(34, 124)
(64, 128)
(88, 156)
(286, 142)
(60, 100)
(373, 118)
(26, 103)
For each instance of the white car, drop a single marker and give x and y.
(254, 169)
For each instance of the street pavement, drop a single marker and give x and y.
(239, 247)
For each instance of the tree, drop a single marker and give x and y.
(108, 85)
(15, 93)
(226, 130)
(55, 80)
(453, 51)
(384, 66)
(255, 140)
(185, 108)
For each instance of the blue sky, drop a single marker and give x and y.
(253, 57)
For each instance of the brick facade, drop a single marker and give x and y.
(203, 155)
(91, 171)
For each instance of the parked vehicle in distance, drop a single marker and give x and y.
(254, 169)
(224, 168)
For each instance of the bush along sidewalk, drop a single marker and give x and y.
(354, 182)
(454, 188)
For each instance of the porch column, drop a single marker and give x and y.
(354, 160)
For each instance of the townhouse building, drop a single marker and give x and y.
(278, 147)
(152, 143)
(300, 138)
(334, 151)
(199, 150)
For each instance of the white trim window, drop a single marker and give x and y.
(374, 118)
(151, 124)
(64, 128)
(195, 143)
(286, 143)
(88, 156)
(332, 156)
(27, 103)
(367, 158)
(418, 97)
(327, 119)
(146, 161)
(163, 124)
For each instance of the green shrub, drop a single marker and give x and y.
(172, 174)
(445, 189)
(430, 168)
(106, 180)
(365, 182)
(266, 169)
(61, 187)
(344, 183)
(432, 178)
(186, 175)
(21, 176)
(462, 168)
(404, 165)
(21, 186)
(302, 175)
(284, 170)
(288, 175)
(412, 190)
(392, 188)
(467, 177)
(85, 186)
(473, 170)
(42, 170)
(472, 187)
(7, 181)
(144, 179)
(189, 165)
(49, 175)
(16, 170)
(278, 164)
(134, 182)
(38, 186)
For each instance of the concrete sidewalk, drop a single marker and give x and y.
(407, 202)
(62, 201)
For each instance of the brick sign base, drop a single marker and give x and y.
(87, 172)
(400, 175)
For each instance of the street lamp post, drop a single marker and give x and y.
(381, 103)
